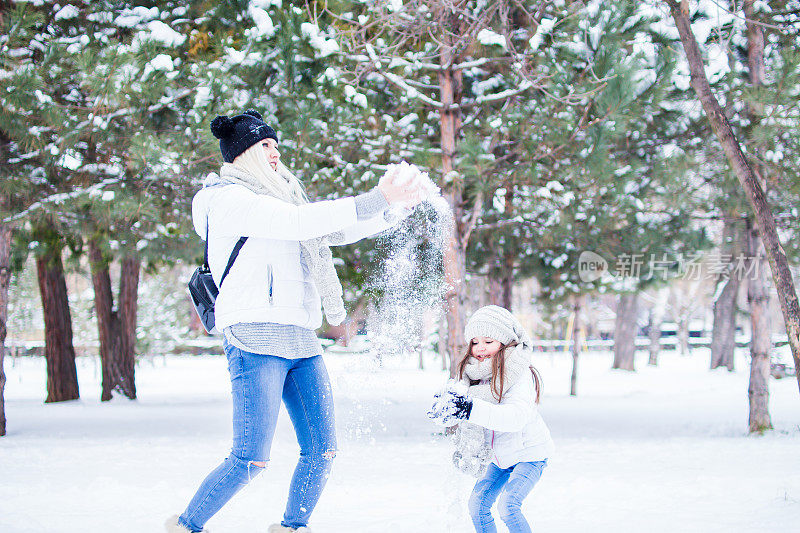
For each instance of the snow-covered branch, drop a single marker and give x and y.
(62, 197)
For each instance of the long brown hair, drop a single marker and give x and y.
(499, 370)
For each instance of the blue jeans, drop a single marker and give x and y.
(258, 383)
(512, 485)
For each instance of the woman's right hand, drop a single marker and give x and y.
(408, 194)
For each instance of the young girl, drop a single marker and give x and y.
(502, 397)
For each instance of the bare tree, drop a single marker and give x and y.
(747, 176)
(625, 329)
(577, 308)
(656, 320)
(761, 337)
(757, 292)
(116, 328)
(5, 279)
(723, 333)
(62, 376)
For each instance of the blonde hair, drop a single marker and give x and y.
(281, 182)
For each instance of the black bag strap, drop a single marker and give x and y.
(231, 259)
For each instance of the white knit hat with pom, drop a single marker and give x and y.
(496, 323)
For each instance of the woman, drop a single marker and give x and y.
(269, 306)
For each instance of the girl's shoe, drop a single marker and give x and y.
(173, 526)
(277, 528)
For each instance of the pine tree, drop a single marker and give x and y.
(450, 70)
(748, 178)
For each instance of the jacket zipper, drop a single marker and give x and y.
(269, 279)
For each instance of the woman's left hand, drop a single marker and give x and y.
(408, 194)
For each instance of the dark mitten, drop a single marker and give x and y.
(450, 407)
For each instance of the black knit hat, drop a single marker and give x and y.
(239, 133)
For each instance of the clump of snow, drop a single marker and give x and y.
(266, 4)
(488, 37)
(407, 173)
(130, 18)
(545, 27)
(324, 47)
(160, 32)
(203, 96)
(360, 99)
(67, 12)
(264, 25)
(161, 62)
(331, 75)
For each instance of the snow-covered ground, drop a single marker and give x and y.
(660, 450)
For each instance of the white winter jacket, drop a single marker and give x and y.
(514, 428)
(267, 283)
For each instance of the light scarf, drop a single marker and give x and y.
(517, 361)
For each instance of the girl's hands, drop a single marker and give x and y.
(450, 407)
(409, 194)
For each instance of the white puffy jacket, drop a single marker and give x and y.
(267, 282)
(514, 428)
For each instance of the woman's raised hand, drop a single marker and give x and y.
(399, 189)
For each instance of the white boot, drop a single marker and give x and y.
(173, 526)
(277, 528)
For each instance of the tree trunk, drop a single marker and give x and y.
(757, 291)
(683, 332)
(654, 335)
(128, 306)
(760, 341)
(450, 88)
(495, 289)
(115, 327)
(656, 321)
(625, 331)
(62, 376)
(766, 222)
(723, 334)
(508, 252)
(5, 279)
(576, 345)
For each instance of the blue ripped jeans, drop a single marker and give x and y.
(512, 485)
(259, 383)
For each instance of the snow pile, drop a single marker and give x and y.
(661, 450)
(410, 282)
